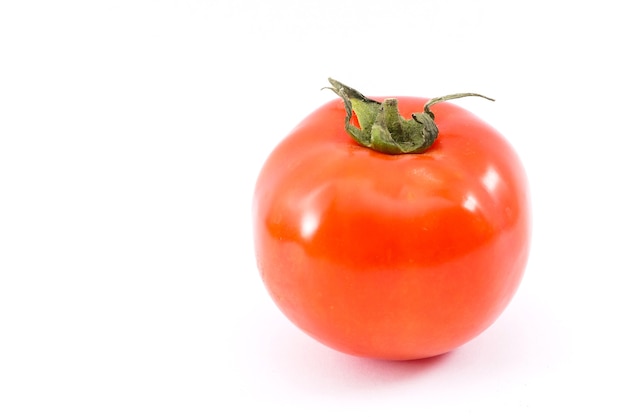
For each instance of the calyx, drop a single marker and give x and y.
(383, 129)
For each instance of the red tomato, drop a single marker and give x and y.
(392, 256)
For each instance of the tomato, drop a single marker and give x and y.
(400, 256)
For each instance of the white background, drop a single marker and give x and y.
(131, 134)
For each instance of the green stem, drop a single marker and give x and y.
(383, 129)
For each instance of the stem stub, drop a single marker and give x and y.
(383, 129)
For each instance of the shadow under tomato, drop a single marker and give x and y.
(375, 372)
(304, 362)
(414, 363)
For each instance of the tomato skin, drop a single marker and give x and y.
(392, 257)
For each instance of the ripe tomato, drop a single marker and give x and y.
(392, 256)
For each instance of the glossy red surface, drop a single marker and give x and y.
(393, 257)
